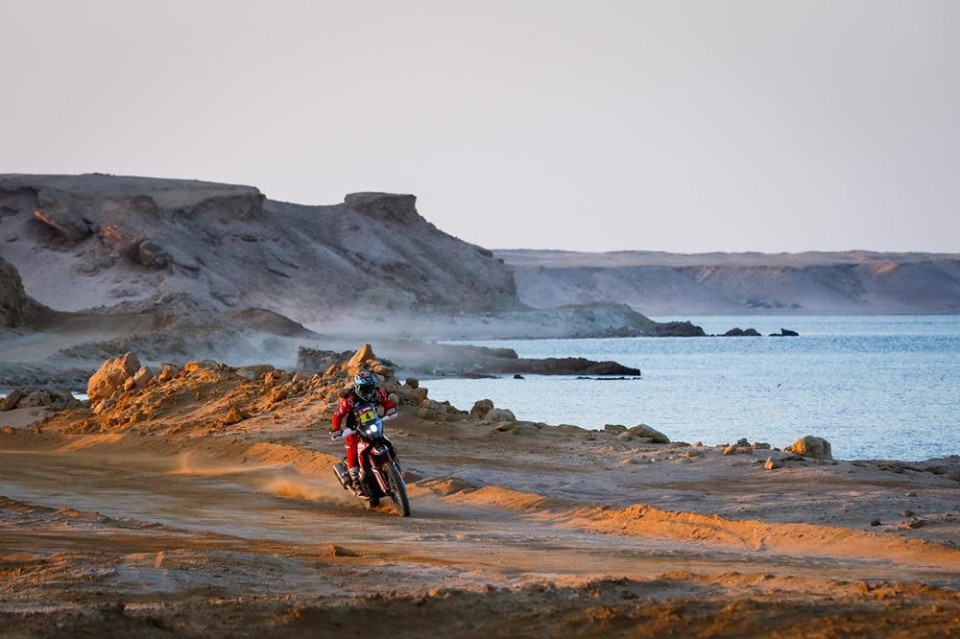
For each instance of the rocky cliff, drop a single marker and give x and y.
(663, 284)
(178, 270)
(98, 240)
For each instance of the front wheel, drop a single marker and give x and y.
(398, 489)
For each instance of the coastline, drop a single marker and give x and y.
(180, 516)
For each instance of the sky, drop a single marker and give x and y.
(677, 125)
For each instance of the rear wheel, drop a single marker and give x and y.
(398, 489)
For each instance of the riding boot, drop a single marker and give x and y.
(356, 481)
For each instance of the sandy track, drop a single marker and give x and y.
(225, 536)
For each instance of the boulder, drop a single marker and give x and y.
(481, 407)
(812, 447)
(204, 364)
(381, 370)
(427, 414)
(167, 372)
(495, 415)
(142, 377)
(642, 430)
(10, 401)
(356, 363)
(616, 429)
(50, 398)
(151, 255)
(234, 416)
(111, 376)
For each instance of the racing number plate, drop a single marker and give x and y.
(367, 415)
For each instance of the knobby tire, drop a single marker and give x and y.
(398, 489)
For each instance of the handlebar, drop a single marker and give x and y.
(343, 432)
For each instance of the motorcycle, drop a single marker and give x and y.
(380, 474)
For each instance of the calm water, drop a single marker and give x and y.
(875, 387)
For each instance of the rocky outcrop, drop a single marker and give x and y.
(742, 332)
(810, 446)
(62, 216)
(114, 375)
(677, 329)
(463, 361)
(557, 366)
(641, 433)
(385, 207)
(17, 310)
(53, 399)
(785, 332)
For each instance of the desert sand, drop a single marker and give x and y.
(202, 503)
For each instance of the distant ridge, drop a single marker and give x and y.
(666, 284)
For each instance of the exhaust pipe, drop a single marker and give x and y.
(341, 471)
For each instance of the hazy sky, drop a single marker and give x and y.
(595, 125)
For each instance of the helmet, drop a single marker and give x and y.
(364, 384)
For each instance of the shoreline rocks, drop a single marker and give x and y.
(811, 447)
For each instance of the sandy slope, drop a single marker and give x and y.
(174, 523)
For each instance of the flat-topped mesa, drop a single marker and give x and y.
(94, 241)
(385, 207)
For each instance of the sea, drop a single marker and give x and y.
(875, 387)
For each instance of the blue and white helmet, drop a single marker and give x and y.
(364, 384)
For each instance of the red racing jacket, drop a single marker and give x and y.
(345, 408)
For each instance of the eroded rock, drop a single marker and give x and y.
(812, 447)
(111, 376)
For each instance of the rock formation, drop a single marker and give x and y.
(665, 284)
(16, 308)
(810, 446)
(468, 361)
(108, 239)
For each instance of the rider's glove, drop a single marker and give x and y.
(336, 434)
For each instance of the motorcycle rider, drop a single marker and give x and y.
(365, 391)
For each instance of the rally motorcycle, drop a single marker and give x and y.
(380, 474)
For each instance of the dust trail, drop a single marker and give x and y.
(278, 479)
(188, 464)
(291, 485)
